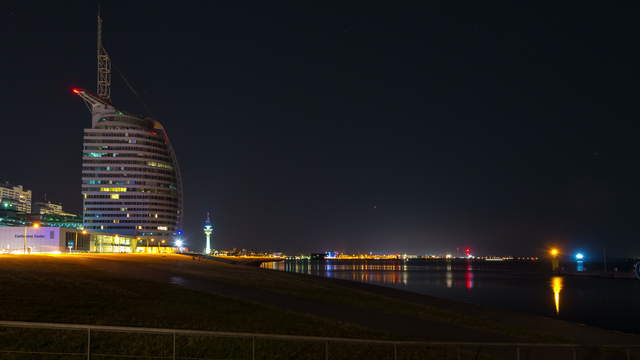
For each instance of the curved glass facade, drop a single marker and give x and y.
(131, 181)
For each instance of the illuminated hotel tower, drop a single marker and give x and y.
(130, 176)
(208, 230)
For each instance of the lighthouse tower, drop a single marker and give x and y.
(208, 230)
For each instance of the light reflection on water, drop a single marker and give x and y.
(375, 273)
(524, 287)
(468, 276)
(556, 286)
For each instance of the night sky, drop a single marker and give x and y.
(373, 126)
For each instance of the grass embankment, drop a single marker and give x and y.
(174, 291)
(133, 290)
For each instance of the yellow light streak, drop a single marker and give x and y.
(556, 286)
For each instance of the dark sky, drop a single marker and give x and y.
(360, 127)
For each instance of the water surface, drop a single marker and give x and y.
(521, 286)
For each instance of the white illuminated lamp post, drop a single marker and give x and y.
(208, 230)
(179, 244)
(177, 240)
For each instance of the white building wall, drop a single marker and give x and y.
(41, 240)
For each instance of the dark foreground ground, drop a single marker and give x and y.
(175, 291)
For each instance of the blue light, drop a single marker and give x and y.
(579, 256)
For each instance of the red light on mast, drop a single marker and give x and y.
(467, 251)
(76, 91)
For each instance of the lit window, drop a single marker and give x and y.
(115, 196)
(159, 164)
(113, 189)
(162, 228)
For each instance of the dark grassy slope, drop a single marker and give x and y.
(178, 292)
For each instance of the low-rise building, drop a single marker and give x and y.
(50, 208)
(37, 239)
(15, 198)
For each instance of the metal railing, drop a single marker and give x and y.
(312, 346)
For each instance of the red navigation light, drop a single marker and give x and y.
(467, 251)
(76, 90)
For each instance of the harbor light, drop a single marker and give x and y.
(555, 260)
(579, 256)
(179, 243)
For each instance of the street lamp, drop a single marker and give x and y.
(555, 262)
(75, 245)
(35, 226)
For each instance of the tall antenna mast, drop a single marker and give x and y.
(104, 66)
